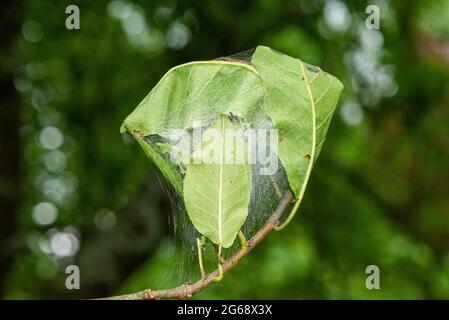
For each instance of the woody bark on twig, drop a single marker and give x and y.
(187, 290)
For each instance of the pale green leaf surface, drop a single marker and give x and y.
(301, 101)
(195, 92)
(217, 195)
(198, 91)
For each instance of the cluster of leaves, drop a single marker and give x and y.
(298, 99)
(379, 196)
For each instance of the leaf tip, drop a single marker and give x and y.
(123, 128)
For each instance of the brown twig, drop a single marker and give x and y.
(187, 290)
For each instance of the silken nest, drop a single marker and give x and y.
(230, 136)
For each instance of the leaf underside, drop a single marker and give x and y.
(195, 92)
(217, 195)
(301, 101)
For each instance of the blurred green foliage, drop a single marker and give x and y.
(378, 194)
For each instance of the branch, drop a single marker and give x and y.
(187, 290)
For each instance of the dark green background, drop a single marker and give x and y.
(378, 194)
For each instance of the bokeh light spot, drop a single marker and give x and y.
(32, 31)
(51, 138)
(44, 213)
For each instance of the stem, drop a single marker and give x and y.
(200, 257)
(187, 290)
(220, 273)
(290, 216)
(276, 187)
(220, 268)
(242, 239)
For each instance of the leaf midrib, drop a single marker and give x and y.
(312, 152)
(220, 188)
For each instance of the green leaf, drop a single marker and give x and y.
(195, 91)
(301, 101)
(298, 98)
(217, 195)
